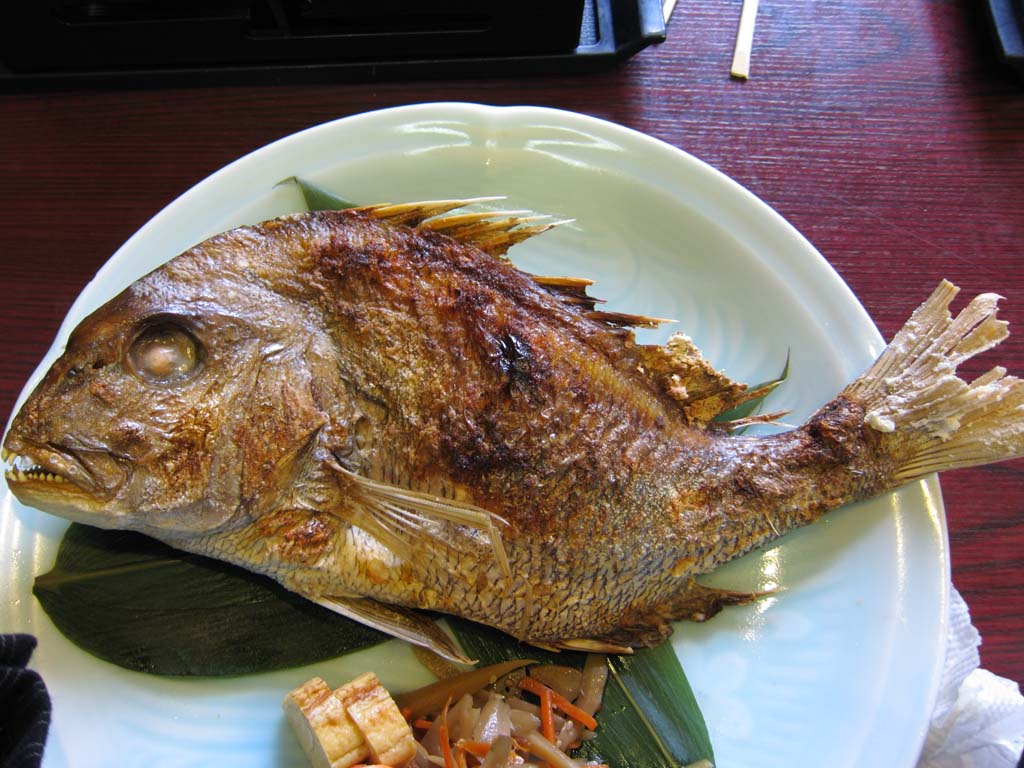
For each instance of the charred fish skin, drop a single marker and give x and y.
(377, 409)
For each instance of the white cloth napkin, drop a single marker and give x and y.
(979, 717)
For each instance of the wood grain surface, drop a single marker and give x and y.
(887, 133)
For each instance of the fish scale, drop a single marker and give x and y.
(377, 409)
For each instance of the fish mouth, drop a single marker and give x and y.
(49, 470)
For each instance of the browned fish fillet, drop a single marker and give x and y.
(385, 414)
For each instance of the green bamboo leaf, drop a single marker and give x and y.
(653, 680)
(137, 603)
(649, 717)
(317, 198)
(743, 410)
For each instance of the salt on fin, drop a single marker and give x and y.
(936, 420)
(396, 516)
(403, 623)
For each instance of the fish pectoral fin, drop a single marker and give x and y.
(403, 623)
(397, 516)
(697, 602)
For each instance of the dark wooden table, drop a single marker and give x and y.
(886, 132)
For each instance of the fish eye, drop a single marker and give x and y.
(165, 354)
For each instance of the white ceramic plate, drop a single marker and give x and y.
(840, 669)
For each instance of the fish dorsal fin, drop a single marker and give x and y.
(573, 291)
(468, 223)
(626, 320)
(413, 214)
(680, 371)
(397, 516)
(493, 232)
(403, 623)
(569, 290)
(499, 238)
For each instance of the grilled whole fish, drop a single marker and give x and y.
(378, 410)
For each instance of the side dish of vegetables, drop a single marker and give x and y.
(512, 713)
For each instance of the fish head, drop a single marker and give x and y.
(178, 405)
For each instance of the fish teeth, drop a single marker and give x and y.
(21, 462)
(22, 476)
(22, 469)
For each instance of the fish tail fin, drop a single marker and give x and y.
(937, 420)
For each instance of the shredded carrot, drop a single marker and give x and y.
(533, 685)
(446, 747)
(407, 712)
(460, 757)
(475, 748)
(571, 710)
(422, 723)
(547, 718)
